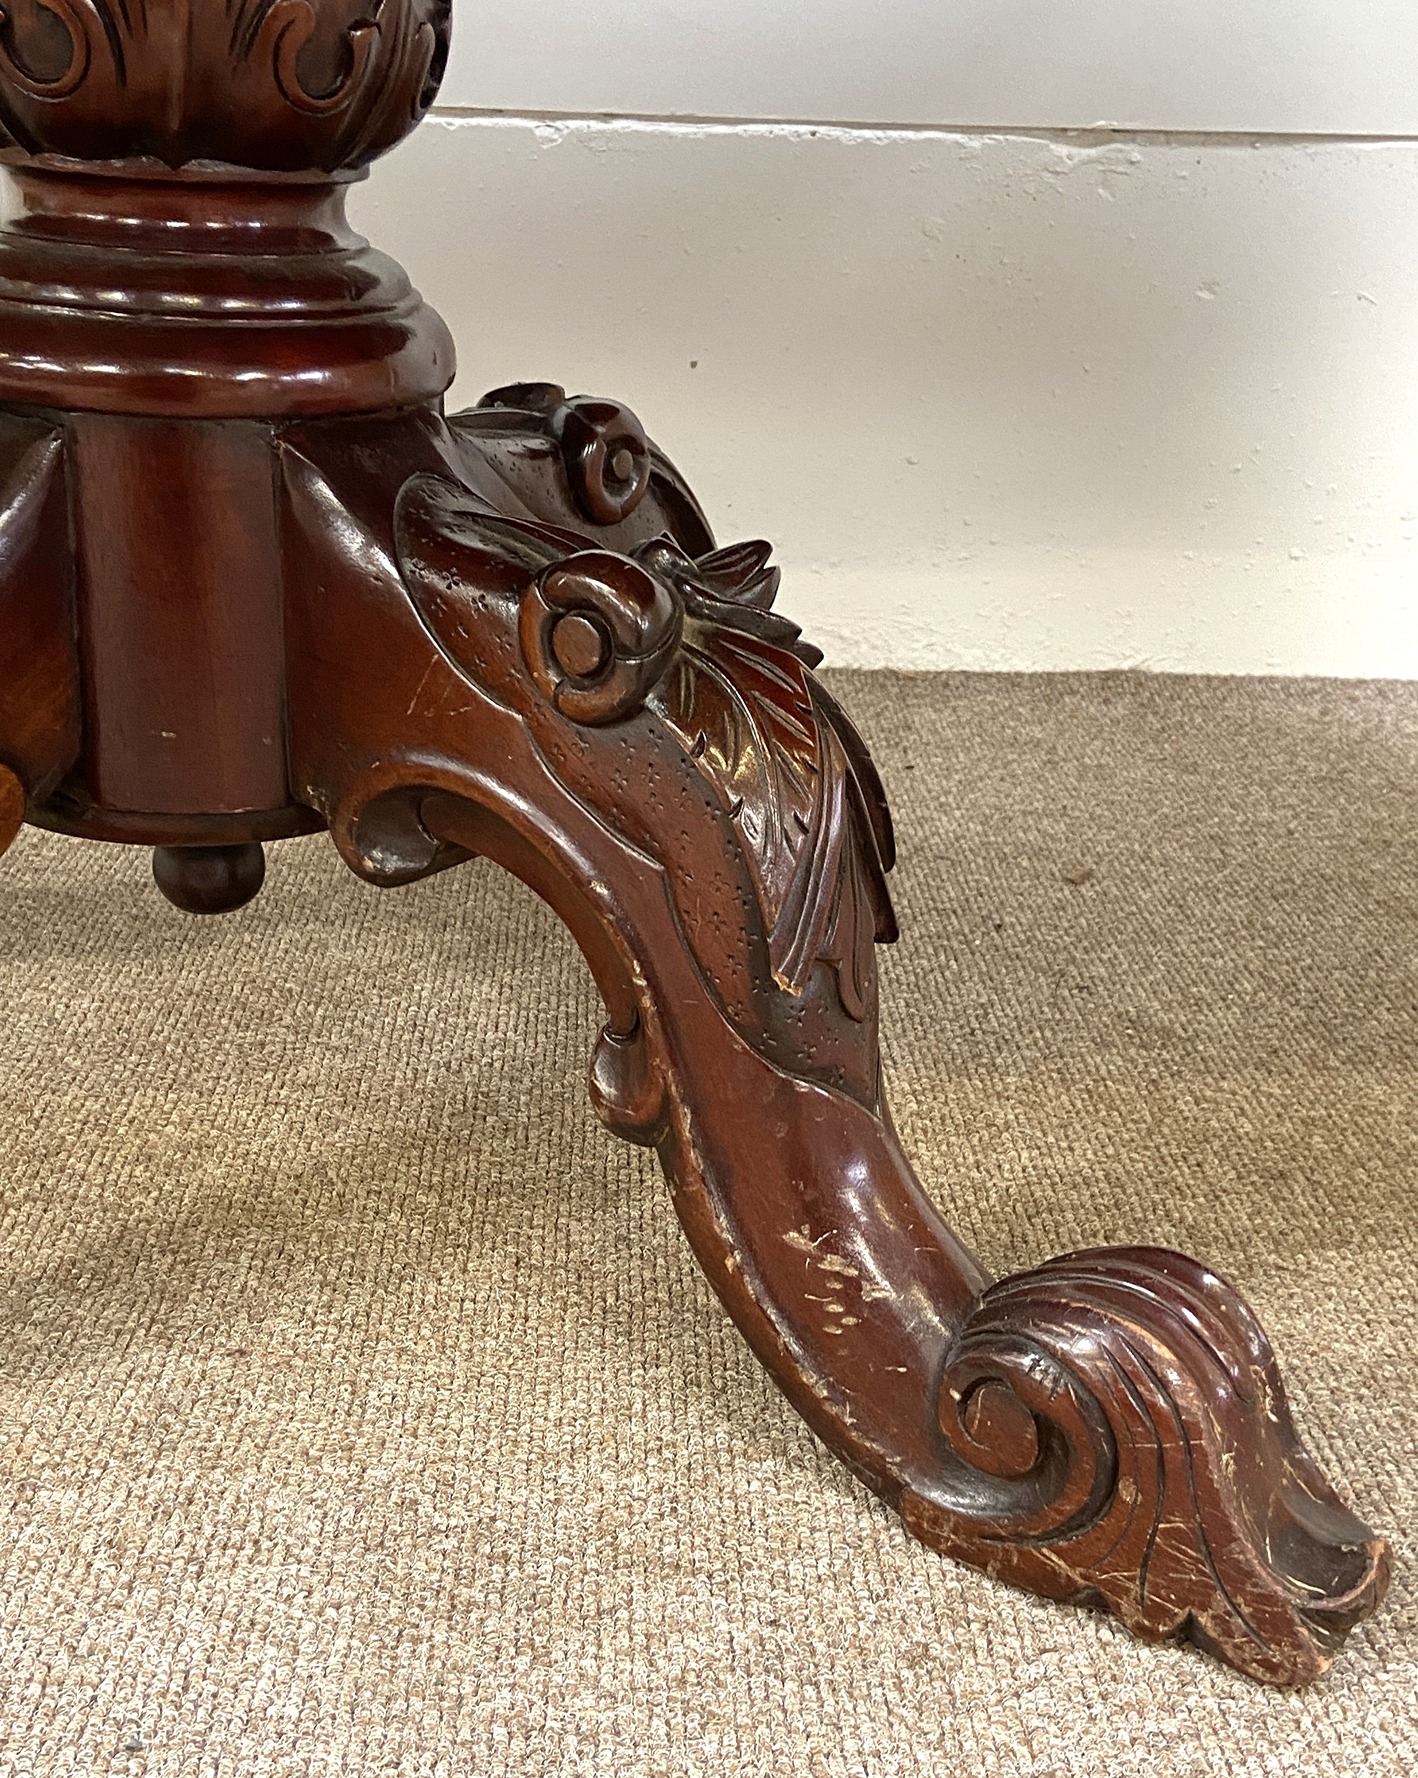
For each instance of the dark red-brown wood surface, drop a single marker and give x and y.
(253, 583)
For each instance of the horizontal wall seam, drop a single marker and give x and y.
(1090, 134)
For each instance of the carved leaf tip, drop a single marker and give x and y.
(742, 574)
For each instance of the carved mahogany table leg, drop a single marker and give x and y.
(255, 583)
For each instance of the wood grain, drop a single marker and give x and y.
(257, 583)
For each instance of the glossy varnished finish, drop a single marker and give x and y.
(281, 85)
(209, 879)
(12, 807)
(177, 536)
(255, 583)
(40, 725)
(124, 290)
(1111, 1428)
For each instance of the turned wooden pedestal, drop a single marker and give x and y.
(254, 583)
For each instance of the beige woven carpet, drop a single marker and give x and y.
(363, 1412)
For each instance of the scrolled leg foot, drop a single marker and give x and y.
(1116, 1433)
(615, 713)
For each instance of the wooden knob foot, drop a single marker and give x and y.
(209, 879)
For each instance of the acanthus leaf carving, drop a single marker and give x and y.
(280, 85)
(744, 702)
(1107, 1429)
(695, 643)
(286, 32)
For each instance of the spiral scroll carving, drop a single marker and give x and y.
(597, 634)
(1117, 1432)
(274, 85)
(607, 458)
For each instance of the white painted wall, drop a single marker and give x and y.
(1004, 395)
(1295, 66)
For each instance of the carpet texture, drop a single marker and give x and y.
(363, 1412)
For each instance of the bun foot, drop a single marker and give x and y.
(210, 879)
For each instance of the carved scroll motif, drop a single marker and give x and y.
(277, 84)
(606, 638)
(1117, 1433)
(1109, 1429)
(623, 721)
(47, 47)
